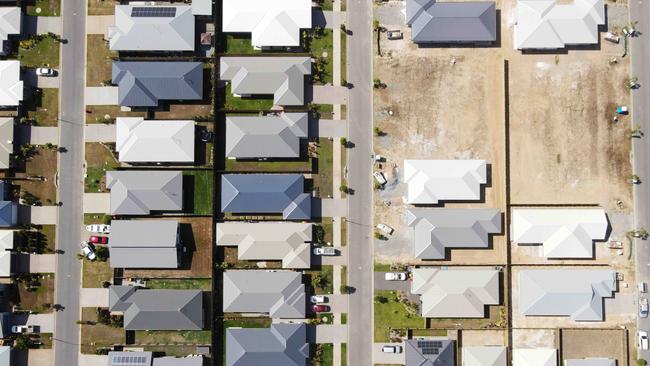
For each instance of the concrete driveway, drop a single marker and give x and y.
(99, 132)
(388, 358)
(327, 333)
(43, 215)
(328, 94)
(405, 286)
(40, 357)
(93, 297)
(43, 135)
(98, 24)
(341, 259)
(101, 95)
(97, 203)
(331, 207)
(44, 322)
(326, 18)
(92, 360)
(42, 263)
(338, 303)
(41, 25)
(333, 128)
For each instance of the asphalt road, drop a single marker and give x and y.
(640, 10)
(70, 189)
(360, 270)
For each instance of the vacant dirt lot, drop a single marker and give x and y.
(535, 338)
(591, 343)
(475, 338)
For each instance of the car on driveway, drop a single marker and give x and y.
(22, 329)
(391, 349)
(45, 71)
(395, 276)
(88, 250)
(320, 308)
(643, 340)
(96, 239)
(315, 299)
(99, 228)
(380, 178)
(643, 307)
(385, 229)
(324, 251)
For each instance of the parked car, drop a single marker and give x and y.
(324, 251)
(22, 329)
(315, 299)
(378, 158)
(88, 250)
(643, 288)
(385, 229)
(391, 349)
(380, 178)
(612, 37)
(394, 34)
(643, 340)
(320, 308)
(643, 307)
(395, 276)
(95, 239)
(45, 71)
(99, 228)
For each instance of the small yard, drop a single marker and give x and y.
(100, 59)
(99, 159)
(324, 352)
(42, 106)
(101, 113)
(39, 300)
(172, 343)
(392, 314)
(230, 257)
(255, 103)
(298, 166)
(42, 164)
(198, 199)
(101, 7)
(239, 45)
(323, 177)
(186, 110)
(322, 280)
(41, 53)
(321, 47)
(204, 284)
(95, 273)
(44, 8)
(95, 336)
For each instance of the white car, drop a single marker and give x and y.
(379, 177)
(385, 229)
(643, 340)
(324, 251)
(99, 228)
(22, 329)
(395, 276)
(315, 299)
(88, 251)
(391, 349)
(45, 71)
(612, 37)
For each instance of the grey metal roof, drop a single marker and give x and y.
(178, 361)
(158, 309)
(577, 293)
(281, 294)
(281, 344)
(266, 193)
(284, 77)
(590, 362)
(144, 244)
(429, 352)
(128, 358)
(286, 241)
(136, 192)
(144, 83)
(151, 32)
(6, 141)
(450, 22)
(456, 293)
(437, 229)
(272, 136)
(8, 213)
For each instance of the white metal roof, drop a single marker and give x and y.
(563, 232)
(430, 181)
(6, 244)
(545, 24)
(138, 140)
(9, 22)
(534, 357)
(484, 356)
(272, 23)
(11, 87)
(6, 141)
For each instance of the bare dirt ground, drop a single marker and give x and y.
(534, 338)
(475, 338)
(592, 343)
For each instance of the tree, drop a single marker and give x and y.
(343, 188)
(377, 131)
(641, 362)
(22, 342)
(381, 299)
(319, 233)
(319, 280)
(375, 25)
(344, 142)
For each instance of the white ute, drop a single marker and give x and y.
(324, 251)
(395, 276)
(379, 177)
(99, 228)
(643, 340)
(385, 229)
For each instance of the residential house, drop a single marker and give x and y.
(6, 245)
(145, 358)
(6, 141)
(280, 294)
(10, 20)
(437, 229)
(534, 357)
(431, 181)
(5, 356)
(271, 136)
(8, 209)
(275, 23)
(152, 28)
(202, 7)
(485, 356)
(432, 21)
(577, 293)
(144, 244)
(590, 362)
(438, 352)
(11, 87)
(266, 194)
(147, 141)
(548, 24)
(281, 344)
(563, 232)
(157, 309)
(138, 192)
(285, 241)
(283, 77)
(458, 293)
(146, 83)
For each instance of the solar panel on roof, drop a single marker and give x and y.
(153, 12)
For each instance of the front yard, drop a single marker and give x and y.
(321, 280)
(100, 59)
(42, 106)
(99, 159)
(39, 300)
(95, 273)
(392, 314)
(42, 164)
(323, 177)
(47, 8)
(101, 7)
(96, 336)
(43, 52)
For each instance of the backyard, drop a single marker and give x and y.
(392, 314)
(40, 53)
(43, 107)
(99, 60)
(103, 113)
(300, 166)
(239, 45)
(204, 284)
(256, 103)
(200, 200)
(172, 343)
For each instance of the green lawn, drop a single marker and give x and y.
(328, 354)
(172, 343)
(234, 165)
(327, 272)
(45, 52)
(204, 284)
(344, 354)
(324, 180)
(202, 191)
(392, 314)
(239, 44)
(95, 273)
(322, 46)
(48, 8)
(261, 103)
(344, 51)
(43, 107)
(382, 267)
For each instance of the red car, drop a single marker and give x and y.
(320, 308)
(98, 239)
